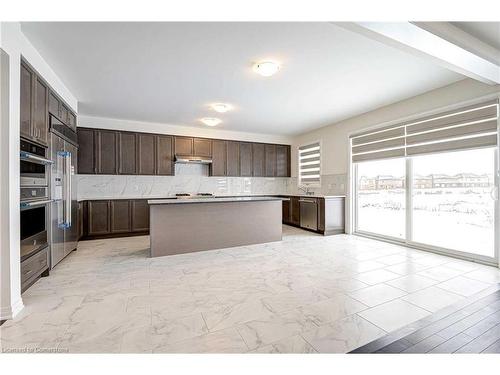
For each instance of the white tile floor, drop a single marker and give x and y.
(305, 294)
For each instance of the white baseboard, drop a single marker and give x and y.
(10, 312)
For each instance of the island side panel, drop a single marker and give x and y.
(191, 227)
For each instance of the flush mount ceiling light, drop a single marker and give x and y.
(210, 121)
(266, 68)
(221, 107)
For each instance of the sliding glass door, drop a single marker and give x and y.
(381, 198)
(450, 197)
(453, 205)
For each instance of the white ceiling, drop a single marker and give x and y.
(170, 72)
(487, 32)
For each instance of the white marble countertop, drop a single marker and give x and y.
(173, 197)
(214, 200)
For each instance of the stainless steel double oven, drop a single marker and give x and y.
(35, 199)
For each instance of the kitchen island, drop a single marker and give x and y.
(179, 226)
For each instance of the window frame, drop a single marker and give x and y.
(408, 240)
(311, 185)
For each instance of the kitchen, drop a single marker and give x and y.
(204, 204)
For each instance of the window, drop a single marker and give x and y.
(431, 182)
(381, 197)
(453, 205)
(310, 164)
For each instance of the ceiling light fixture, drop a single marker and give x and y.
(266, 68)
(210, 121)
(221, 107)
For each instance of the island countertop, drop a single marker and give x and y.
(215, 200)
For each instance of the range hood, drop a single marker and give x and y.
(193, 159)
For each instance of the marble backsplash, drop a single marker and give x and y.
(193, 178)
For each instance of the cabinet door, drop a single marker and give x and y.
(54, 105)
(40, 118)
(282, 161)
(146, 154)
(233, 159)
(98, 214)
(219, 157)
(270, 160)
(245, 159)
(64, 114)
(72, 120)
(86, 151)
(140, 215)
(286, 212)
(184, 146)
(26, 101)
(258, 159)
(295, 210)
(127, 153)
(106, 151)
(202, 147)
(120, 216)
(164, 155)
(80, 219)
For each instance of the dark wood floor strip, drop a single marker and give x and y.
(470, 326)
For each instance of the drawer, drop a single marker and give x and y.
(32, 267)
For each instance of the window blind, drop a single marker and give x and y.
(310, 164)
(460, 129)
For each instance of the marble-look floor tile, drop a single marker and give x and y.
(291, 345)
(393, 315)
(377, 294)
(376, 276)
(412, 283)
(343, 335)
(463, 286)
(223, 341)
(261, 332)
(109, 296)
(329, 310)
(432, 298)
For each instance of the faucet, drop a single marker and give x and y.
(305, 189)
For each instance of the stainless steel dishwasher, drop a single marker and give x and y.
(308, 213)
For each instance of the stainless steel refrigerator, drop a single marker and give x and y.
(63, 228)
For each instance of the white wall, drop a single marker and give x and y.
(15, 45)
(198, 131)
(335, 138)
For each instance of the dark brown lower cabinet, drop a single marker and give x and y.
(331, 214)
(120, 216)
(114, 218)
(294, 211)
(286, 218)
(140, 215)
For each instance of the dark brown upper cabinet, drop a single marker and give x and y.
(102, 151)
(120, 216)
(258, 159)
(86, 151)
(282, 161)
(202, 147)
(270, 158)
(98, 217)
(146, 154)
(219, 158)
(184, 146)
(245, 159)
(233, 158)
(164, 155)
(54, 105)
(106, 151)
(26, 101)
(40, 118)
(127, 151)
(72, 121)
(140, 215)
